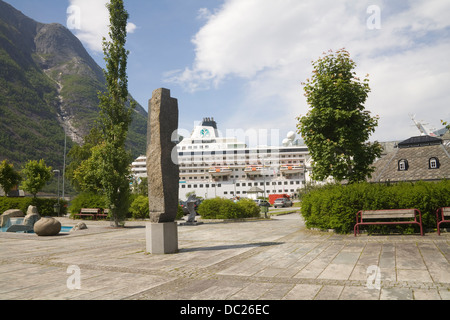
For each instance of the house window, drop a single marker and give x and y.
(433, 163)
(403, 165)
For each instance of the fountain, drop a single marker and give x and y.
(15, 220)
(16, 225)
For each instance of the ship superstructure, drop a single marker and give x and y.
(211, 165)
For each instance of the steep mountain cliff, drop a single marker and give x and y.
(48, 86)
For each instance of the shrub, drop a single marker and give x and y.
(87, 200)
(335, 206)
(14, 203)
(210, 208)
(220, 208)
(180, 213)
(248, 208)
(44, 206)
(139, 207)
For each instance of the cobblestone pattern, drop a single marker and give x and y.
(269, 260)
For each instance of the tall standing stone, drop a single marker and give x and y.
(162, 172)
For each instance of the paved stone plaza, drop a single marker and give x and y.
(267, 259)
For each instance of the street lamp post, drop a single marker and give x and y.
(264, 175)
(264, 181)
(57, 207)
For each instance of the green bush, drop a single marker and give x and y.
(139, 208)
(180, 213)
(210, 208)
(335, 206)
(87, 200)
(248, 208)
(45, 206)
(220, 208)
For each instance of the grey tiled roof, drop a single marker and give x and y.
(417, 154)
(419, 141)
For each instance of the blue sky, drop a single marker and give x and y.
(242, 61)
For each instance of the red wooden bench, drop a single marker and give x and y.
(88, 212)
(373, 217)
(441, 213)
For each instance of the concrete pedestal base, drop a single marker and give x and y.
(162, 238)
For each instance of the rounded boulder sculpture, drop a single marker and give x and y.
(47, 227)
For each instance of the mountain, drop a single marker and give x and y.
(48, 87)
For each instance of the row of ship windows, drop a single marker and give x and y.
(243, 176)
(433, 163)
(268, 191)
(245, 192)
(203, 164)
(207, 170)
(246, 151)
(255, 184)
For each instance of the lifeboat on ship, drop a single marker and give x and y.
(220, 171)
(291, 169)
(253, 170)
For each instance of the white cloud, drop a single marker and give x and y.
(203, 14)
(131, 27)
(93, 22)
(269, 45)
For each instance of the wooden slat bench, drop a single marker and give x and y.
(88, 212)
(374, 217)
(441, 213)
(104, 214)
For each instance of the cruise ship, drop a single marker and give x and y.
(215, 166)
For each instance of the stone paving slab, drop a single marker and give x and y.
(276, 259)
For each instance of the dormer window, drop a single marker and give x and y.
(433, 163)
(402, 165)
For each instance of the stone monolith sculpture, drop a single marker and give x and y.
(162, 172)
(190, 203)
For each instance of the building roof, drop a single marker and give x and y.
(419, 141)
(417, 151)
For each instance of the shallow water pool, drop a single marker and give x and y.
(64, 229)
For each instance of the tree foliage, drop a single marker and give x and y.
(337, 127)
(9, 178)
(111, 159)
(101, 165)
(37, 174)
(77, 155)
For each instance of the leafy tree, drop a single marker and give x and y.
(37, 174)
(115, 116)
(77, 154)
(140, 186)
(337, 127)
(9, 178)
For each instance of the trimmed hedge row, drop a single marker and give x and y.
(138, 208)
(220, 208)
(335, 206)
(44, 206)
(86, 200)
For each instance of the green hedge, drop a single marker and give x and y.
(335, 206)
(140, 209)
(220, 208)
(86, 200)
(44, 206)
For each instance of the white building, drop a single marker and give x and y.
(212, 166)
